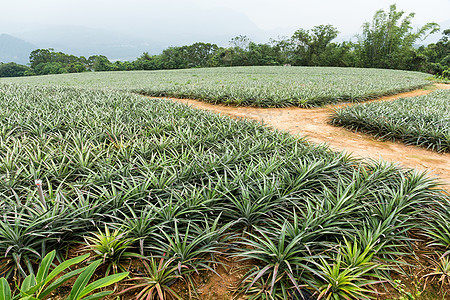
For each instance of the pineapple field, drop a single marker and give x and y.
(250, 86)
(151, 199)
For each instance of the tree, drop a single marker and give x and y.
(310, 44)
(146, 62)
(387, 42)
(437, 53)
(337, 55)
(262, 55)
(238, 52)
(76, 67)
(174, 58)
(240, 41)
(12, 70)
(50, 68)
(47, 61)
(199, 54)
(438, 56)
(99, 63)
(192, 56)
(221, 58)
(40, 56)
(283, 49)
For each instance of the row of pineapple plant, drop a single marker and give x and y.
(250, 86)
(423, 120)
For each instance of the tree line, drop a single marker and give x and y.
(388, 41)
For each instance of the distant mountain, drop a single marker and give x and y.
(134, 35)
(83, 41)
(13, 49)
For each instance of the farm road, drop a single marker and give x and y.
(313, 124)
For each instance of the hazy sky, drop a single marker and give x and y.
(347, 15)
(192, 17)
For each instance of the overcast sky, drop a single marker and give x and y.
(195, 17)
(347, 15)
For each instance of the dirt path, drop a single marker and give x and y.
(312, 123)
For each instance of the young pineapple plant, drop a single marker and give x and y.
(112, 248)
(46, 281)
(156, 282)
(348, 274)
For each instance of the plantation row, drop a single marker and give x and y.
(423, 120)
(130, 177)
(250, 86)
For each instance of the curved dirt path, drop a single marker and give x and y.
(313, 124)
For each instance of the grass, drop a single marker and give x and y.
(249, 86)
(422, 120)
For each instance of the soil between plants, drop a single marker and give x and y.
(312, 123)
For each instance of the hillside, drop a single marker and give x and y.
(13, 49)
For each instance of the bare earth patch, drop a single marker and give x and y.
(313, 124)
